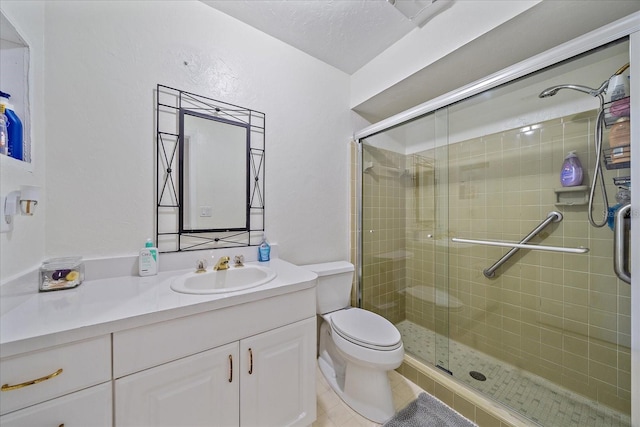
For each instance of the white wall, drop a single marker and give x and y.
(24, 247)
(103, 61)
(456, 26)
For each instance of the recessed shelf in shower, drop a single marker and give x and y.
(572, 196)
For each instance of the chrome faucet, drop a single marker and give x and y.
(222, 264)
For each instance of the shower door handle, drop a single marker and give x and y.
(620, 245)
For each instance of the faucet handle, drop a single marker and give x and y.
(238, 261)
(201, 266)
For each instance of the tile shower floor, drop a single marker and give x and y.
(532, 396)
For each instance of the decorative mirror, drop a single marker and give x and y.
(210, 173)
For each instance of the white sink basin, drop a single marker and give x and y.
(216, 282)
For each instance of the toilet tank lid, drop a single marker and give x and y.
(326, 268)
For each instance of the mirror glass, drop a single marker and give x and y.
(214, 178)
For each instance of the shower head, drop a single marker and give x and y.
(589, 91)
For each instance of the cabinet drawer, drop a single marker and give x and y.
(86, 408)
(34, 377)
(148, 346)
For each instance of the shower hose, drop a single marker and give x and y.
(598, 172)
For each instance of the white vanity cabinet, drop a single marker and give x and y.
(85, 408)
(141, 354)
(277, 384)
(68, 384)
(248, 365)
(198, 390)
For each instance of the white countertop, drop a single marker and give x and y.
(37, 320)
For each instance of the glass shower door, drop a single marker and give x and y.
(404, 241)
(548, 334)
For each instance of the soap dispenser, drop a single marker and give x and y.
(571, 174)
(264, 250)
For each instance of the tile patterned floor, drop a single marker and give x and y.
(333, 412)
(534, 397)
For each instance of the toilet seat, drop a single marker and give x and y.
(366, 329)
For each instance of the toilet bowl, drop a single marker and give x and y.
(356, 347)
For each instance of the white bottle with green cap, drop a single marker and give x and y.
(148, 260)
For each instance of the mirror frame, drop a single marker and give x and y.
(171, 105)
(181, 177)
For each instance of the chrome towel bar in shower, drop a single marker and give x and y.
(552, 217)
(578, 250)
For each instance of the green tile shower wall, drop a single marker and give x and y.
(384, 266)
(564, 317)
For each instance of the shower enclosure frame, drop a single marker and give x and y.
(626, 27)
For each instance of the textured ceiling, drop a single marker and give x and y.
(344, 33)
(349, 33)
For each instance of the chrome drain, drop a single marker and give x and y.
(478, 376)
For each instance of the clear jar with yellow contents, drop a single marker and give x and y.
(61, 273)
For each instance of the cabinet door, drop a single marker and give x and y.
(86, 408)
(198, 390)
(277, 384)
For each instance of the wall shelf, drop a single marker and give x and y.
(572, 196)
(14, 77)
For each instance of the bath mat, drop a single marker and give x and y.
(427, 411)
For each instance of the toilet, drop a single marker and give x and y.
(356, 347)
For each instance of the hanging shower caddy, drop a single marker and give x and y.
(618, 120)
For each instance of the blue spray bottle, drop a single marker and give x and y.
(14, 129)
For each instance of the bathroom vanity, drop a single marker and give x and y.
(128, 351)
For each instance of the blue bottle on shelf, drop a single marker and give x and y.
(3, 131)
(14, 129)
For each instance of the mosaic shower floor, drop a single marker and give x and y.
(534, 397)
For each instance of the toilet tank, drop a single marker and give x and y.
(334, 285)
